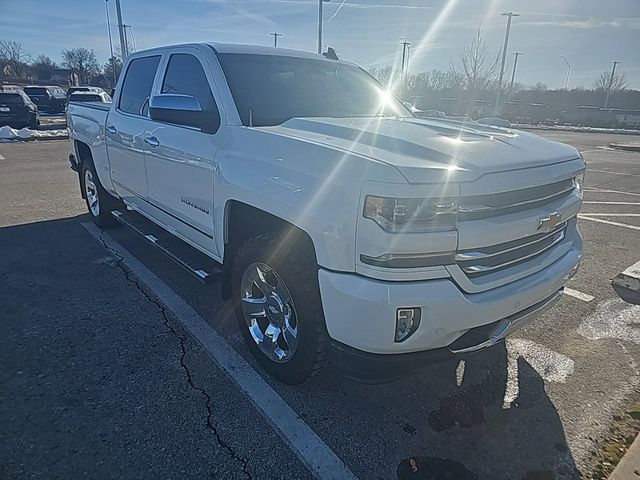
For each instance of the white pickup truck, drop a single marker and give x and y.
(340, 222)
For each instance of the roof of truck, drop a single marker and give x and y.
(262, 50)
(243, 49)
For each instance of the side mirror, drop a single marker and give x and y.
(183, 110)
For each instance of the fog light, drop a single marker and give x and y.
(407, 322)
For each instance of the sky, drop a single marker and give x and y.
(590, 33)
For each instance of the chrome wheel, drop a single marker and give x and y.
(269, 312)
(91, 192)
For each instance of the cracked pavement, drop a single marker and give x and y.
(97, 379)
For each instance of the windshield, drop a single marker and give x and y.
(35, 90)
(277, 88)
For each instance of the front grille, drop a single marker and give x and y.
(476, 207)
(486, 260)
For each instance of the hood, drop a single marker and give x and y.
(425, 149)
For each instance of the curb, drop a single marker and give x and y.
(629, 147)
(627, 284)
(629, 467)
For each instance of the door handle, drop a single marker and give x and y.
(153, 141)
(111, 129)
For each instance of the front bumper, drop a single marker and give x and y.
(360, 312)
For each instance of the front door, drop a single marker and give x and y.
(126, 127)
(180, 159)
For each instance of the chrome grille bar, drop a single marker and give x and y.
(482, 206)
(477, 262)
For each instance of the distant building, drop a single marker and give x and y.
(62, 76)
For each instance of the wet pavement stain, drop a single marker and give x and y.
(410, 429)
(433, 468)
(464, 408)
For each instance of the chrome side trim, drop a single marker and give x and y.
(506, 326)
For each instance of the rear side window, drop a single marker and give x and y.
(137, 85)
(85, 97)
(185, 76)
(11, 99)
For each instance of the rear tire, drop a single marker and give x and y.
(287, 336)
(99, 202)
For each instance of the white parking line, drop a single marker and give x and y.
(550, 365)
(613, 173)
(612, 214)
(1, 157)
(309, 448)
(609, 203)
(579, 295)
(608, 222)
(604, 190)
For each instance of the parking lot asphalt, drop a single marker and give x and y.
(100, 379)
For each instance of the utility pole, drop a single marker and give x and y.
(509, 15)
(405, 59)
(275, 36)
(613, 73)
(320, 2)
(566, 82)
(113, 60)
(123, 44)
(513, 73)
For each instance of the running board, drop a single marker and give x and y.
(188, 257)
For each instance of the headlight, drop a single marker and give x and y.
(412, 215)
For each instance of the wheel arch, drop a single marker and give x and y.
(242, 222)
(83, 154)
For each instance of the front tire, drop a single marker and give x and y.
(278, 307)
(99, 202)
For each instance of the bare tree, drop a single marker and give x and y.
(385, 75)
(111, 69)
(478, 70)
(83, 62)
(43, 67)
(619, 82)
(12, 54)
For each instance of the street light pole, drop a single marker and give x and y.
(509, 15)
(123, 44)
(275, 36)
(320, 2)
(513, 73)
(566, 82)
(613, 73)
(113, 60)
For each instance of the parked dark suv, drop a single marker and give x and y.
(48, 99)
(17, 110)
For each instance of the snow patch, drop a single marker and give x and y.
(613, 319)
(11, 134)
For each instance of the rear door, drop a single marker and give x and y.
(126, 127)
(181, 159)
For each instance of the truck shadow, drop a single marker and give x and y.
(445, 423)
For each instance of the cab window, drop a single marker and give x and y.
(137, 85)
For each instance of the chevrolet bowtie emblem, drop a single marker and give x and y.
(549, 223)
